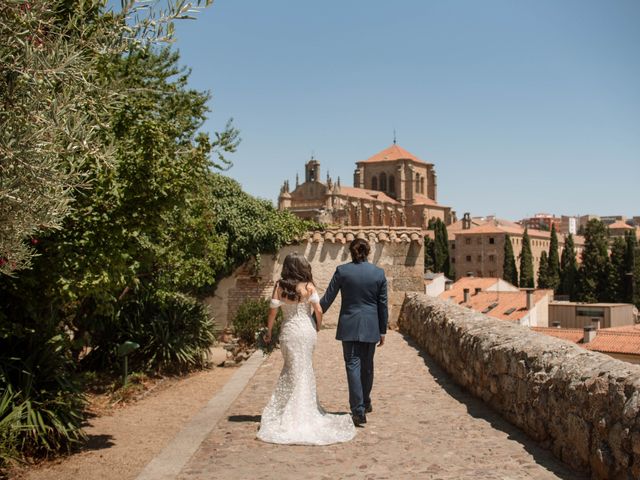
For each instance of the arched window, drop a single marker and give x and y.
(383, 182)
(374, 183)
(417, 183)
(392, 184)
(422, 185)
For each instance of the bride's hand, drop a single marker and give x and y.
(267, 337)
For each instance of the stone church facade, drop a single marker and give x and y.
(393, 188)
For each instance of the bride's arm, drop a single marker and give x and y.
(273, 312)
(317, 309)
(270, 321)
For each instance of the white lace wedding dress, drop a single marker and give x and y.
(294, 415)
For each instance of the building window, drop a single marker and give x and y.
(590, 312)
(392, 184)
(492, 258)
(453, 260)
(479, 241)
(492, 240)
(492, 273)
(453, 246)
(383, 182)
(417, 183)
(468, 258)
(467, 241)
(422, 185)
(479, 258)
(374, 183)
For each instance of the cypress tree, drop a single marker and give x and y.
(509, 271)
(553, 269)
(443, 260)
(568, 268)
(616, 272)
(592, 275)
(543, 271)
(526, 263)
(429, 263)
(631, 244)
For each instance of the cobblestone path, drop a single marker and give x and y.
(422, 426)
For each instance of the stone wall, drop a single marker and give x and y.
(584, 406)
(399, 251)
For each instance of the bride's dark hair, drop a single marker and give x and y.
(295, 270)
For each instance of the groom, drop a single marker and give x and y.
(362, 322)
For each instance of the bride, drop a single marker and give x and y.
(293, 414)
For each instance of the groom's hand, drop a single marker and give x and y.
(381, 341)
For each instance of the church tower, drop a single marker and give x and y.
(312, 171)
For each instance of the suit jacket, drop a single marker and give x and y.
(364, 313)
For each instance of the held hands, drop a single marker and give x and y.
(381, 341)
(267, 337)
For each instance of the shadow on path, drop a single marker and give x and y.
(97, 442)
(478, 409)
(244, 418)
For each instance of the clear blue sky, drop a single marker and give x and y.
(523, 106)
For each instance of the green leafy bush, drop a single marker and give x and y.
(41, 403)
(173, 330)
(251, 317)
(10, 415)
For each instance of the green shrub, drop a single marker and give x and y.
(251, 317)
(41, 403)
(10, 415)
(173, 330)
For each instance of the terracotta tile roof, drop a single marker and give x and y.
(373, 234)
(394, 152)
(626, 328)
(619, 225)
(363, 193)
(501, 226)
(457, 288)
(504, 305)
(615, 342)
(572, 334)
(423, 200)
(607, 340)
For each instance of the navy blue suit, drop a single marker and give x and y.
(363, 319)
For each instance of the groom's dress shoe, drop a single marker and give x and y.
(368, 409)
(359, 420)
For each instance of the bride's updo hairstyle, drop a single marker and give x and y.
(295, 270)
(359, 249)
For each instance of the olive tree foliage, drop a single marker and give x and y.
(55, 106)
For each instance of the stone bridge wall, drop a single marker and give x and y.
(583, 406)
(399, 251)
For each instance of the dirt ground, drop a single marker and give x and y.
(123, 439)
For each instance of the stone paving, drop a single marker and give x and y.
(422, 426)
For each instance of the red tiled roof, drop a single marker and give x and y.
(457, 288)
(572, 334)
(365, 194)
(513, 302)
(620, 225)
(394, 152)
(423, 200)
(607, 340)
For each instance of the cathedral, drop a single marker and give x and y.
(393, 188)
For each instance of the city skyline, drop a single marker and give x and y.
(522, 108)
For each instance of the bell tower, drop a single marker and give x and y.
(312, 171)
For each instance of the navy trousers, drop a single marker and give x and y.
(358, 360)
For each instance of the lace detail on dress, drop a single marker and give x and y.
(293, 414)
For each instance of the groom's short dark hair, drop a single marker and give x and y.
(359, 249)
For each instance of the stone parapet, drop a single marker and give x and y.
(584, 406)
(399, 251)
